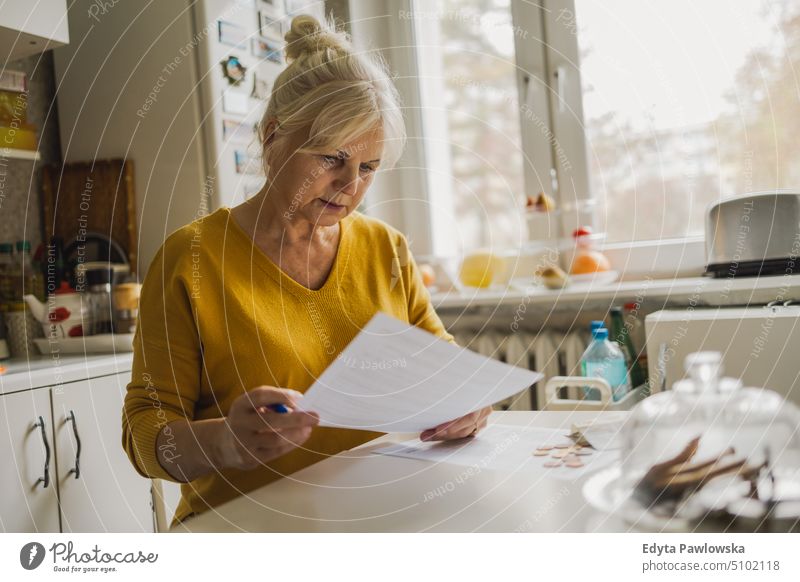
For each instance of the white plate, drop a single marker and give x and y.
(600, 278)
(107, 343)
(604, 492)
(532, 283)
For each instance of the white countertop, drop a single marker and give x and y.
(688, 290)
(357, 491)
(52, 370)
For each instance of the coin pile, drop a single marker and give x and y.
(568, 455)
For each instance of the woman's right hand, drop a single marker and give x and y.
(253, 434)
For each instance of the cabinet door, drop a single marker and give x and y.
(99, 489)
(26, 504)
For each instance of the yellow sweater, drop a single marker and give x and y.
(218, 317)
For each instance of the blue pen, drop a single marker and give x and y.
(279, 408)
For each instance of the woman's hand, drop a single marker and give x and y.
(467, 425)
(253, 434)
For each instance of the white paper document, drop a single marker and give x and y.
(394, 377)
(503, 448)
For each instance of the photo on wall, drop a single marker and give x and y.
(232, 34)
(270, 26)
(267, 49)
(238, 131)
(315, 8)
(275, 7)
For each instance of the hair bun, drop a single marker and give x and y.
(307, 36)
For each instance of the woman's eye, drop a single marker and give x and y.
(367, 169)
(330, 159)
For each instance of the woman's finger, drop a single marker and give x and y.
(460, 427)
(264, 396)
(282, 443)
(468, 421)
(271, 420)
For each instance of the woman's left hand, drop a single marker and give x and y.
(468, 425)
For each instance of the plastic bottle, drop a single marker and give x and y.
(620, 334)
(604, 359)
(634, 322)
(596, 324)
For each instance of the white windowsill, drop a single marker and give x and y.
(695, 291)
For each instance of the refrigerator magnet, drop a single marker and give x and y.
(233, 70)
(274, 6)
(239, 132)
(270, 26)
(235, 102)
(245, 164)
(260, 88)
(232, 34)
(267, 49)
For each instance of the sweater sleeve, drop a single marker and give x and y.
(420, 309)
(165, 382)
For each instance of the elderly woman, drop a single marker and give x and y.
(244, 308)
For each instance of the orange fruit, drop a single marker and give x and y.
(428, 275)
(589, 262)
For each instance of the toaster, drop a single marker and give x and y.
(754, 234)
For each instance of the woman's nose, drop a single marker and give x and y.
(347, 179)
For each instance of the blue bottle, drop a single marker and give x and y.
(604, 359)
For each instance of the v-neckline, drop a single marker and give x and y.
(285, 281)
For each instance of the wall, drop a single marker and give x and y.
(20, 180)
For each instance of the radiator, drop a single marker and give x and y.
(550, 352)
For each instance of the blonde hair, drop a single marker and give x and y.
(332, 92)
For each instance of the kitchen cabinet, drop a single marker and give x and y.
(99, 489)
(91, 485)
(29, 501)
(27, 28)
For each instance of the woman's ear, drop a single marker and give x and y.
(269, 132)
(268, 138)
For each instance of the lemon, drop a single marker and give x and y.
(479, 269)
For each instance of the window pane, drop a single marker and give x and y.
(480, 98)
(685, 102)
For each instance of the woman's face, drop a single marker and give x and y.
(322, 188)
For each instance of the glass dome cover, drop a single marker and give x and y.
(710, 446)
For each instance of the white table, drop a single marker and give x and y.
(357, 491)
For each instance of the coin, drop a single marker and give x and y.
(583, 453)
(540, 453)
(576, 464)
(552, 464)
(562, 446)
(545, 448)
(559, 454)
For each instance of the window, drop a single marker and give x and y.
(476, 93)
(685, 102)
(651, 110)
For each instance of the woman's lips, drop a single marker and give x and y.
(331, 205)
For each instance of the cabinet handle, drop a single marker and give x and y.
(77, 468)
(45, 479)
